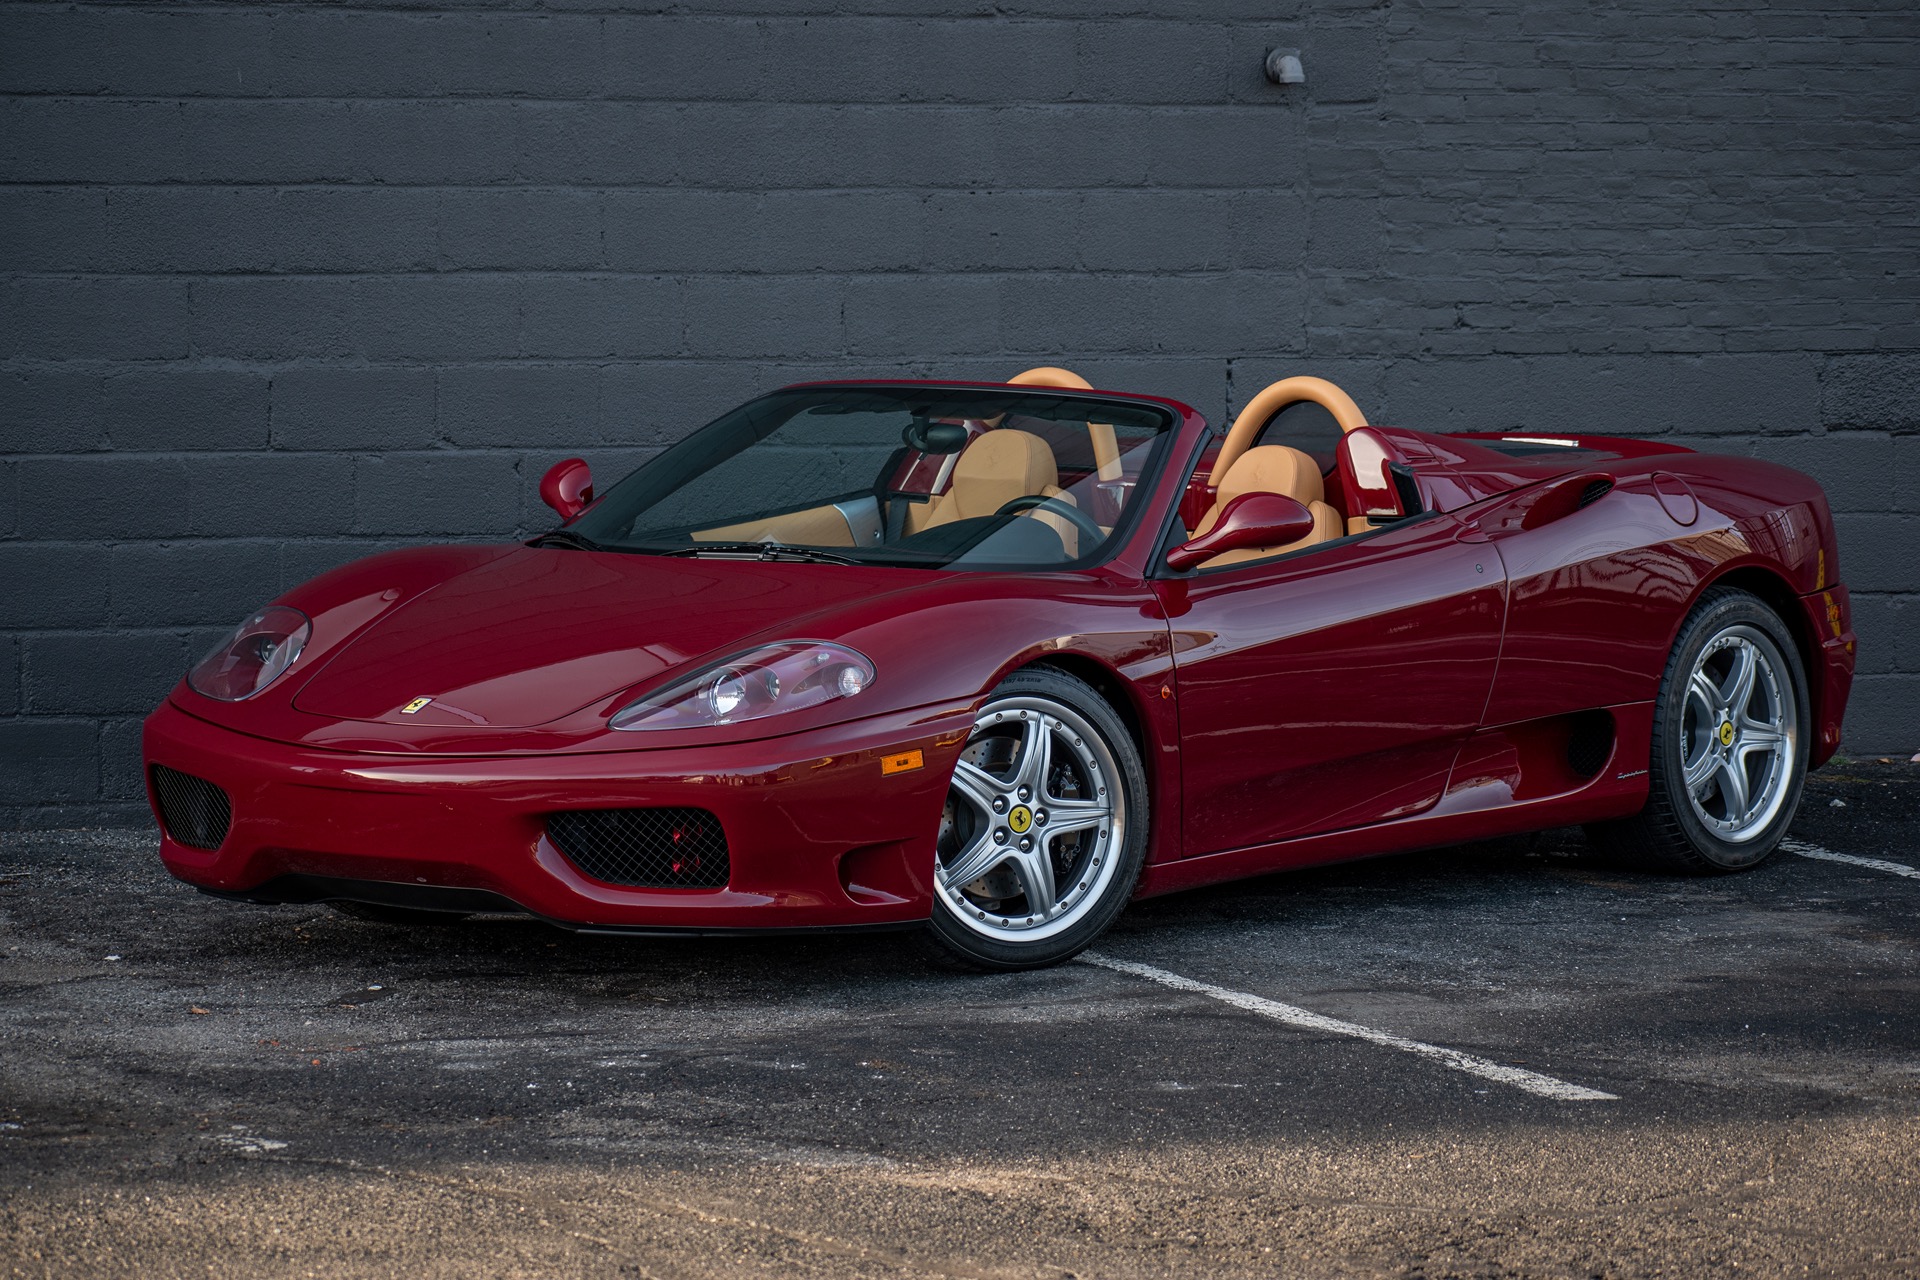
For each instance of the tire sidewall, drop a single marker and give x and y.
(986, 953)
(1731, 607)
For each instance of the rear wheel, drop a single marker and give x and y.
(1729, 751)
(1044, 829)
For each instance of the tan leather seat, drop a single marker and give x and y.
(1273, 468)
(995, 469)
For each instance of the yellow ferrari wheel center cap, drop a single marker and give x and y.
(1020, 818)
(1726, 733)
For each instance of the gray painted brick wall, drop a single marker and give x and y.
(283, 285)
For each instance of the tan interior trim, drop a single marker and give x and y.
(997, 467)
(1260, 410)
(1106, 447)
(1267, 468)
(814, 527)
(1049, 376)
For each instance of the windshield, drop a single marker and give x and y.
(938, 477)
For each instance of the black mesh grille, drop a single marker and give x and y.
(196, 812)
(646, 848)
(1589, 742)
(1594, 491)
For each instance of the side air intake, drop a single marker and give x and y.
(644, 848)
(196, 813)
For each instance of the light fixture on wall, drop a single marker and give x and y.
(1283, 67)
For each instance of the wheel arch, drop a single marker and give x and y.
(1150, 728)
(1113, 690)
(1773, 589)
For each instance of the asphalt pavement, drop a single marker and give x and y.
(1489, 1061)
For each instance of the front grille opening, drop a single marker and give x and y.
(196, 812)
(644, 848)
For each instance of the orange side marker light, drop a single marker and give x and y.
(903, 762)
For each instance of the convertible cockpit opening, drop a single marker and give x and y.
(924, 476)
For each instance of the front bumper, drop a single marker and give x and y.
(818, 836)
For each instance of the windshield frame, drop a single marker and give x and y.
(693, 456)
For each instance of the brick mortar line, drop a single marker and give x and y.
(519, 186)
(891, 275)
(898, 359)
(448, 449)
(684, 11)
(895, 274)
(349, 455)
(177, 630)
(256, 540)
(535, 9)
(1823, 182)
(1760, 92)
(1184, 105)
(260, 365)
(1767, 91)
(597, 188)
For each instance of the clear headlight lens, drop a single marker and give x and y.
(764, 682)
(253, 657)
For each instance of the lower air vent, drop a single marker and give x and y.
(196, 812)
(1589, 742)
(1593, 493)
(644, 848)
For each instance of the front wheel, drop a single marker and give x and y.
(1729, 751)
(1044, 828)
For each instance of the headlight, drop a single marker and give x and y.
(253, 656)
(764, 682)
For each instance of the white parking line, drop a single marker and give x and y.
(1827, 855)
(1531, 1081)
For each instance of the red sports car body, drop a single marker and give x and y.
(1429, 639)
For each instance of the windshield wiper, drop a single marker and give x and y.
(759, 551)
(566, 538)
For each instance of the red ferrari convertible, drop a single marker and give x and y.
(990, 660)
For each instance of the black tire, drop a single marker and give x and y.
(1673, 833)
(1103, 863)
(380, 913)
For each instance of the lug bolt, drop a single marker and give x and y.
(1025, 845)
(1000, 835)
(1040, 817)
(1026, 793)
(999, 804)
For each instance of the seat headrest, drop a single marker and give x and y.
(1273, 468)
(1000, 466)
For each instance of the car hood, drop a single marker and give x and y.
(536, 635)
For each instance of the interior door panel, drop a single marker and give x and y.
(827, 526)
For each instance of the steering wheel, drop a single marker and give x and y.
(1059, 507)
(1261, 409)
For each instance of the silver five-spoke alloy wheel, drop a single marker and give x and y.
(1033, 822)
(1739, 734)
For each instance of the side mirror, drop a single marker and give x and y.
(1250, 520)
(568, 487)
